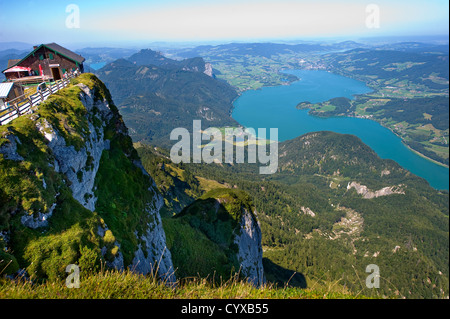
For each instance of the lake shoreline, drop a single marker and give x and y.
(255, 108)
(381, 123)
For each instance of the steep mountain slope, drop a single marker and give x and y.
(216, 236)
(150, 57)
(73, 190)
(335, 207)
(212, 230)
(155, 99)
(177, 185)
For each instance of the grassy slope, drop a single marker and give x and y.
(128, 285)
(71, 237)
(200, 237)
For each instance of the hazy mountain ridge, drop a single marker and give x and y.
(262, 49)
(370, 62)
(156, 99)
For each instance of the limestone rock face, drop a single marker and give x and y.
(160, 261)
(208, 69)
(229, 220)
(73, 142)
(250, 250)
(9, 150)
(368, 194)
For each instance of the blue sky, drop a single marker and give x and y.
(103, 21)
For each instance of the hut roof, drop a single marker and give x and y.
(51, 46)
(4, 89)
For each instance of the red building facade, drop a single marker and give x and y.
(48, 61)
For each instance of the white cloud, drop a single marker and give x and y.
(237, 20)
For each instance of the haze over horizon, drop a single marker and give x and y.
(136, 22)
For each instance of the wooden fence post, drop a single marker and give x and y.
(16, 107)
(39, 94)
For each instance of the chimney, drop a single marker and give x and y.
(35, 47)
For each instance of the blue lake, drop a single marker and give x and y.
(275, 107)
(98, 66)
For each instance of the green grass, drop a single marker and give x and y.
(201, 236)
(123, 193)
(194, 254)
(71, 236)
(129, 285)
(209, 184)
(326, 107)
(233, 200)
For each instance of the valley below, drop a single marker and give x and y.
(330, 211)
(88, 179)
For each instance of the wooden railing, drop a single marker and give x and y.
(22, 104)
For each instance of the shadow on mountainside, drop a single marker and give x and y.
(281, 276)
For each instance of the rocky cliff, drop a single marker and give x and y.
(368, 194)
(228, 219)
(73, 190)
(248, 240)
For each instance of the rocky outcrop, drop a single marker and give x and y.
(71, 138)
(80, 166)
(41, 220)
(307, 211)
(368, 194)
(250, 253)
(208, 69)
(9, 150)
(159, 261)
(229, 219)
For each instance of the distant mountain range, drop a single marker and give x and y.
(15, 46)
(262, 49)
(156, 94)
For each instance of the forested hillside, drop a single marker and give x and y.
(335, 207)
(156, 95)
